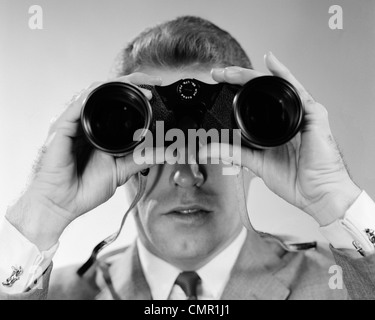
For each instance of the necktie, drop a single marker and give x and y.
(188, 282)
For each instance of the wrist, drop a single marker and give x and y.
(38, 219)
(334, 204)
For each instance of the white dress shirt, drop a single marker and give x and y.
(360, 216)
(17, 251)
(161, 276)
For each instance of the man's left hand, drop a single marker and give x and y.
(308, 171)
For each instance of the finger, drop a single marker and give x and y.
(133, 163)
(235, 75)
(138, 78)
(147, 93)
(280, 70)
(232, 154)
(69, 119)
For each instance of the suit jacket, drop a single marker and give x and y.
(263, 270)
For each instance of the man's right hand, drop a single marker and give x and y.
(58, 193)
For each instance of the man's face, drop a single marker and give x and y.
(189, 213)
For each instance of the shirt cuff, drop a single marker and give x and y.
(18, 252)
(352, 228)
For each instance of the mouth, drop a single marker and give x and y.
(191, 213)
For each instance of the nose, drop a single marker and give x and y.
(188, 175)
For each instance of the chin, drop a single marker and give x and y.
(189, 247)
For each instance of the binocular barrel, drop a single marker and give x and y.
(267, 109)
(269, 112)
(112, 113)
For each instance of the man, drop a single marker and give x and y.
(192, 243)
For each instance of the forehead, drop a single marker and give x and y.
(170, 76)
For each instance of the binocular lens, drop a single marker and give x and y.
(268, 111)
(112, 114)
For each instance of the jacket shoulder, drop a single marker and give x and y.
(66, 284)
(313, 276)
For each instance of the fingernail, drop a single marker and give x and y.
(156, 80)
(273, 57)
(233, 71)
(217, 71)
(148, 94)
(268, 55)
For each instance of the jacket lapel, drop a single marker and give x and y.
(127, 278)
(253, 276)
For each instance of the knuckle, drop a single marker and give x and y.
(284, 70)
(64, 129)
(316, 108)
(321, 110)
(77, 97)
(54, 122)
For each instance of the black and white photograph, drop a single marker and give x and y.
(193, 150)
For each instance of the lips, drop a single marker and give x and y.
(191, 216)
(189, 210)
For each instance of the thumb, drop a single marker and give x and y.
(232, 154)
(139, 161)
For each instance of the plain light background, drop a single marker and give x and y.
(40, 70)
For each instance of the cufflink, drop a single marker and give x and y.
(370, 235)
(15, 276)
(358, 248)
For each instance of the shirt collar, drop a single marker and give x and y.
(161, 275)
(216, 273)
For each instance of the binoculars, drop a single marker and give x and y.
(267, 110)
